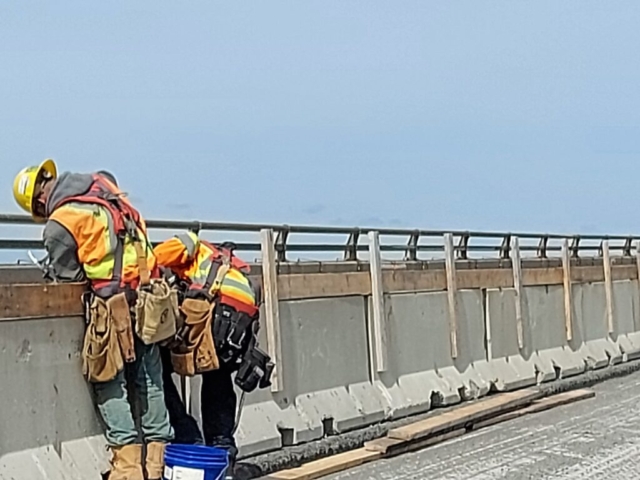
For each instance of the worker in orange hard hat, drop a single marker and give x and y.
(93, 233)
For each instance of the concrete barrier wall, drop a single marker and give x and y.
(326, 377)
(330, 381)
(422, 372)
(626, 304)
(48, 427)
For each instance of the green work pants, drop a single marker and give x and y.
(145, 376)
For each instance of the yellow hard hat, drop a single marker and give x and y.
(24, 185)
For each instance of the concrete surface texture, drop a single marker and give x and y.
(593, 439)
(48, 426)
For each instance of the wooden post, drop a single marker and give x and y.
(568, 294)
(608, 284)
(638, 266)
(452, 292)
(488, 334)
(377, 299)
(516, 263)
(272, 310)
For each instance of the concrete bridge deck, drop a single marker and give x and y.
(590, 440)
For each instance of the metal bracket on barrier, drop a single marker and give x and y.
(505, 248)
(628, 247)
(575, 247)
(542, 247)
(411, 253)
(351, 251)
(463, 247)
(197, 227)
(281, 244)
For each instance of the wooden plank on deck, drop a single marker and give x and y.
(490, 406)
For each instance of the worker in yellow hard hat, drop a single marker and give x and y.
(31, 185)
(93, 233)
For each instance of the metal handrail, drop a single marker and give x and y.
(352, 245)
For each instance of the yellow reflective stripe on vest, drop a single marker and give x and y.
(199, 277)
(101, 271)
(236, 285)
(237, 290)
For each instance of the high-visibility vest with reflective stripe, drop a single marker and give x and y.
(106, 253)
(235, 287)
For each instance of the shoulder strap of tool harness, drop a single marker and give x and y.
(236, 300)
(127, 223)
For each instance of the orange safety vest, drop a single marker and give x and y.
(234, 288)
(106, 228)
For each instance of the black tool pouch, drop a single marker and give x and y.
(255, 370)
(232, 333)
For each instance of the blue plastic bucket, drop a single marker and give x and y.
(187, 462)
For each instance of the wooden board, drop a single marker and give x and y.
(539, 406)
(516, 266)
(325, 285)
(51, 300)
(638, 261)
(452, 293)
(390, 447)
(378, 317)
(461, 416)
(397, 281)
(568, 291)
(608, 285)
(327, 466)
(272, 307)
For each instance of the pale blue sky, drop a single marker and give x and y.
(506, 115)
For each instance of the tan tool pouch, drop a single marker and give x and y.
(183, 363)
(121, 316)
(197, 354)
(156, 312)
(101, 355)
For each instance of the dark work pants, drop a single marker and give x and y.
(218, 403)
(185, 427)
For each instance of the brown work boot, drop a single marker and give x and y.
(126, 463)
(155, 460)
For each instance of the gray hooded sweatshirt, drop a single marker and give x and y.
(58, 241)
